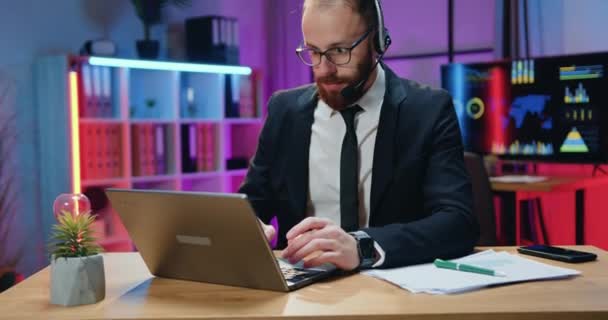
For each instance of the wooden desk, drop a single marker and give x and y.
(531, 191)
(132, 293)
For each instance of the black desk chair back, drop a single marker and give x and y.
(483, 203)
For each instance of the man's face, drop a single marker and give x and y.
(337, 26)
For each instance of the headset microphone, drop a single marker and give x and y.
(350, 91)
(382, 41)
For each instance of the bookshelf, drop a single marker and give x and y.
(107, 122)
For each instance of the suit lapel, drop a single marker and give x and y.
(297, 179)
(386, 140)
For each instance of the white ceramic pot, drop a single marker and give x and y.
(76, 281)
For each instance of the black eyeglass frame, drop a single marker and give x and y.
(302, 50)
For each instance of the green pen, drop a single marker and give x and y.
(467, 267)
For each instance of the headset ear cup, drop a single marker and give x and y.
(387, 40)
(380, 45)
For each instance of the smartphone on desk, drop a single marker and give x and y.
(556, 253)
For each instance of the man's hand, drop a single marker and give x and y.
(269, 231)
(319, 235)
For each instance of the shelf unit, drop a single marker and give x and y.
(107, 122)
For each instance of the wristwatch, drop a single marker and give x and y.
(365, 247)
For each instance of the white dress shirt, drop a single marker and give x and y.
(328, 130)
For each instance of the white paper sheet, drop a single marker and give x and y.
(429, 279)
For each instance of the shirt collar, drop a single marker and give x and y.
(370, 101)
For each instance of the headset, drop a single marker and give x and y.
(382, 40)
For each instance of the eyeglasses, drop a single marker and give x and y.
(338, 56)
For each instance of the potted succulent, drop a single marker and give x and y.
(149, 12)
(77, 272)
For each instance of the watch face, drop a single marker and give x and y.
(367, 247)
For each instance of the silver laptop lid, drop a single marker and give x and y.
(199, 236)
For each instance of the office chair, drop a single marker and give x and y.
(483, 203)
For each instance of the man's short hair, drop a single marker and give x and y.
(366, 8)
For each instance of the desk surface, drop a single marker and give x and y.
(552, 183)
(132, 293)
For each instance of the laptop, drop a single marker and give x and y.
(206, 237)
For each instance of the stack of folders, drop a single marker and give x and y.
(247, 96)
(96, 91)
(238, 93)
(225, 31)
(428, 278)
(100, 150)
(149, 149)
(240, 96)
(198, 147)
(212, 39)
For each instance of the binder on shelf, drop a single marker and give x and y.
(231, 106)
(143, 150)
(160, 162)
(86, 92)
(106, 92)
(91, 151)
(188, 141)
(224, 31)
(215, 29)
(96, 106)
(107, 151)
(116, 151)
(200, 147)
(235, 33)
(84, 157)
(135, 150)
(246, 93)
(98, 145)
(212, 39)
(150, 152)
(209, 143)
(192, 143)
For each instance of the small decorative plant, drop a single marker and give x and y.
(77, 273)
(73, 236)
(149, 12)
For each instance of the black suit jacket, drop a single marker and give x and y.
(420, 207)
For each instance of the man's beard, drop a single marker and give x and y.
(335, 99)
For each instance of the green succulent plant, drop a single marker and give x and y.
(73, 236)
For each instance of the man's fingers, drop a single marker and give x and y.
(318, 244)
(329, 232)
(269, 231)
(325, 257)
(307, 225)
(298, 242)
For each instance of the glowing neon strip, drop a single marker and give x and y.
(169, 66)
(458, 89)
(75, 132)
(498, 82)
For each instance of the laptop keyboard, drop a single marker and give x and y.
(293, 274)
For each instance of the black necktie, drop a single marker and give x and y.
(349, 173)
